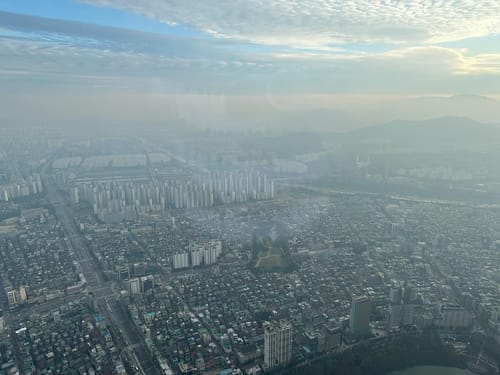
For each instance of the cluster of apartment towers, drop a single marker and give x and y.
(119, 197)
(198, 254)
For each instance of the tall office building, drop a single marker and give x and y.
(359, 322)
(147, 283)
(13, 297)
(402, 306)
(134, 286)
(22, 294)
(277, 343)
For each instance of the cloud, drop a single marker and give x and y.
(444, 61)
(319, 23)
(54, 52)
(83, 73)
(430, 60)
(42, 52)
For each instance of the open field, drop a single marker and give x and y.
(271, 258)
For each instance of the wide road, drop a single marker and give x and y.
(133, 339)
(96, 281)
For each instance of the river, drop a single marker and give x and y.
(432, 370)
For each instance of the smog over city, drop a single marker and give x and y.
(249, 187)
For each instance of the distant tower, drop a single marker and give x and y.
(359, 322)
(363, 163)
(277, 343)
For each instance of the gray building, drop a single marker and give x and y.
(359, 322)
(277, 343)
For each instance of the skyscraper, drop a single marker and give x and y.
(277, 343)
(402, 306)
(359, 322)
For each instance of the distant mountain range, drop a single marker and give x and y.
(342, 115)
(479, 108)
(455, 132)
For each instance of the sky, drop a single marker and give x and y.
(342, 63)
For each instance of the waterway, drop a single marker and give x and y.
(432, 370)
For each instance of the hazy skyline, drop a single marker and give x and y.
(214, 62)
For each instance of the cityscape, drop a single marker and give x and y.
(250, 284)
(300, 187)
